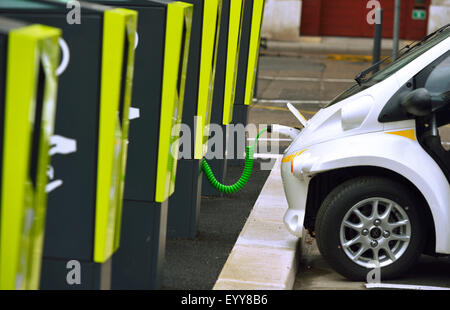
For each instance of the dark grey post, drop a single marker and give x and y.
(396, 29)
(377, 37)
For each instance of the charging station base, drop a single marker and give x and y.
(184, 204)
(139, 261)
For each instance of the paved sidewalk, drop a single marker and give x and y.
(328, 45)
(265, 254)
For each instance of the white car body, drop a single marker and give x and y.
(348, 134)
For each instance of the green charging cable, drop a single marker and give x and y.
(248, 167)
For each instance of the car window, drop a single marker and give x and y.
(438, 81)
(444, 133)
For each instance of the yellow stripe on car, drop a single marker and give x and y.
(291, 157)
(410, 133)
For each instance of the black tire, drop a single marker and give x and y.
(339, 202)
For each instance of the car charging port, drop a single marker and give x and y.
(284, 130)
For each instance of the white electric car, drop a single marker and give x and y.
(368, 176)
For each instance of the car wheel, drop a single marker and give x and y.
(370, 222)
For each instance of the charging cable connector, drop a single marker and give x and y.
(284, 130)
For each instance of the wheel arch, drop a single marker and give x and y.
(323, 183)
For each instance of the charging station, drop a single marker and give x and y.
(247, 71)
(164, 31)
(224, 87)
(234, 87)
(184, 204)
(30, 56)
(90, 142)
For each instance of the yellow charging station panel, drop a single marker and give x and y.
(119, 30)
(234, 40)
(212, 12)
(176, 54)
(32, 57)
(253, 53)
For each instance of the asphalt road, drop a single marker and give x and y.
(195, 264)
(315, 273)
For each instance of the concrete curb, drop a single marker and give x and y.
(265, 254)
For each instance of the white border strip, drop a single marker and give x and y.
(406, 287)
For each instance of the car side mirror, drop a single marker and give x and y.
(418, 102)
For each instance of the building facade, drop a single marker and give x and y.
(287, 20)
(349, 18)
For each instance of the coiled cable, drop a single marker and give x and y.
(248, 167)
